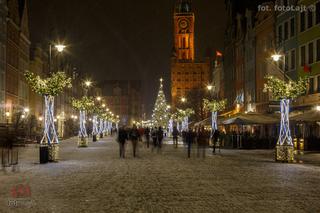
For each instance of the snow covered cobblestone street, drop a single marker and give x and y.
(94, 179)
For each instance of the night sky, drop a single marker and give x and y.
(124, 39)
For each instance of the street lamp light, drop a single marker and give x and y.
(60, 47)
(26, 110)
(87, 83)
(98, 98)
(318, 108)
(209, 87)
(103, 105)
(276, 57)
(183, 99)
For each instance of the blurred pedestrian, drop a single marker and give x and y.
(175, 135)
(147, 135)
(122, 137)
(141, 133)
(189, 139)
(154, 137)
(215, 137)
(134, 136)
(202, 140)
(160, 138)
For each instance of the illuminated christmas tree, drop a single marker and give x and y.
(161, 115)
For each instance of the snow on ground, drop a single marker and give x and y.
(94, 179)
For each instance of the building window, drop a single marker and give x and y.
(318, 12)
(293, 59)
(311, 86)
(318, 50)
(310, 19)
(302, 56)
(286, 62)
(310, 51)
(302, 21)
(286, 31)
(292, 27)
(280, 33)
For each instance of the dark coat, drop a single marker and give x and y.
(122, 135)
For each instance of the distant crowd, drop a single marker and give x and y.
(154, 137)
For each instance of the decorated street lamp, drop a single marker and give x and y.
(214, 107)
(49, 88)
(285, 92)
(84, 105)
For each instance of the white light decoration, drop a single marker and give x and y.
(214, 107)
(284, 92)
(95, 130)
(285, 133)
(82, 123)
(49, 88)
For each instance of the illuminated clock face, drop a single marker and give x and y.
(183, 24)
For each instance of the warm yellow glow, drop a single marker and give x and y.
(183, 100)
(87, 83)
(168, 107)
(318, 108)
(103, 105)
(209, 87)
(108, 109)
(98, 98)
(26, 110)
(118, 116)
(58, 117)
(40, 118)
(276, 57)
(7, 114)
(60, 47)
(23, 116)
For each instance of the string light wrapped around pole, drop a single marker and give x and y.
(284, 92)
(48, 88)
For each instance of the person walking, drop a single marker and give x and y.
(141, 133)
(160, 138)
(134, 136)
(175, 135)
(154, 138)
(147, 135)
(215, 137)
(122, 137)
(202, 140)
(189, 141)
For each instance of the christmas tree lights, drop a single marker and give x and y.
(160, 116)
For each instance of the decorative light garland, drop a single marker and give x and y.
(214, 107)
(284, 92)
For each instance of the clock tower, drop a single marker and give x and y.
(184, 31)
(187, 73)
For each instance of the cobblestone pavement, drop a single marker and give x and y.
(94, 179)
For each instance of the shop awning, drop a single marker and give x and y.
(251, 119)
(309, 116)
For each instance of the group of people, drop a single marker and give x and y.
(201, 138)
(191, 137)
(134, 135)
